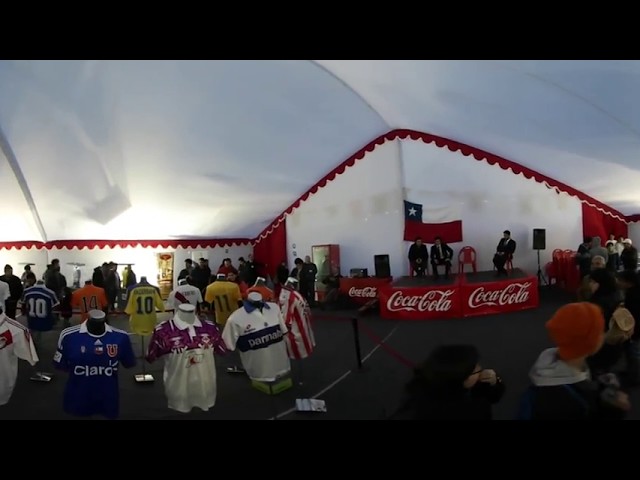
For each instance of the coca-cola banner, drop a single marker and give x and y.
(362, 290)
(420, 303)
(499, 297)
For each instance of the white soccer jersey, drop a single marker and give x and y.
(190, 368)
(15, 343)
(259, 337)
(300, 340)
(5, 293)
(184, 294)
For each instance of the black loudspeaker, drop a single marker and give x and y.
(539, 239)
(383, 269)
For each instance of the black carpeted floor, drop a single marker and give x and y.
(508, 343)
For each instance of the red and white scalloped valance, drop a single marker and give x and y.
(100, 244)
(454, 146)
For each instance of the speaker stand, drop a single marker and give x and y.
(541, 278)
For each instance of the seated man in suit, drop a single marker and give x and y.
(441, 254)
(504, 251)
(418, 257)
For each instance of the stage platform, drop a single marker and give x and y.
(492, 276)
(428, 281)
(465, 295)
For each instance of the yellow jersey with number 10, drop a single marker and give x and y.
(142, 302)
(224, 297)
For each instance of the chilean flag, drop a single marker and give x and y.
(450, 232)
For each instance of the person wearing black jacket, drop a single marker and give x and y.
(451, 385)
(441, 254)
(504, 252)
(15, 291)
(561, 384)
(418, 257)
(629, 283)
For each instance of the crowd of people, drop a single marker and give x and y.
(586, 375)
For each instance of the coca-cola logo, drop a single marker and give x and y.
(366, 292)
(513, 294)
(431, 301)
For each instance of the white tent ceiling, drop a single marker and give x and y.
(191, 149)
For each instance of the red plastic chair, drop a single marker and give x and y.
(467, 256)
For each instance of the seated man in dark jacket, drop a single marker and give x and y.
(562, 387)
(441, 255)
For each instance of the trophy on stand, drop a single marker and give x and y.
(77, 273)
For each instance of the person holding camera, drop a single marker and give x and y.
(562, 385)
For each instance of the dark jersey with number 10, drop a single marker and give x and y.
(143, 299)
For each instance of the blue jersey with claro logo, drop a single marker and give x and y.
(38, 303)
(92, 363)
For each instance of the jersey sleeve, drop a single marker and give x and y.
(131, 303)
(157, 346)
(158, 301)
(236, 297)
(59, 358)
(102, 299)
(75, 299)
(171, 299)
(25, 349)
(127, 357)
(230, 336)
(209, 295)
(281, 320)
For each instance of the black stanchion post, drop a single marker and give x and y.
(356, 340)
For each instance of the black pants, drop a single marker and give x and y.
(499, 262)
(307, 290)
(11, 307)
(447, 267)
(418, 269)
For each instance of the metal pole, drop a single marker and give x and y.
(356, 340)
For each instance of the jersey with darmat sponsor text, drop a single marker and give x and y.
(15, 344)
(184, 294)
(39, 302)
(189, 368)
(92, 363)
(259, 337)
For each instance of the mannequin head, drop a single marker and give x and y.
(96, 323)
(255, 300)
(187, 313)
(143, 279)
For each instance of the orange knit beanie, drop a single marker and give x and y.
(577, 330)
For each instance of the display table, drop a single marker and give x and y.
(362, 290)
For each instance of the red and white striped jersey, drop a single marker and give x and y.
(297, 317)
(15, 343)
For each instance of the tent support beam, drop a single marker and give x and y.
(354, 91)
(9, 154)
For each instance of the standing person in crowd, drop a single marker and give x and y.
(583, 258)
(451, 385)
(584, 292)
(561, 384)
(186, 271)
(226, 267)
(307, 281)
(282, 273)
(629, 256)
(598, 249)
(15, 291)
(604, 292)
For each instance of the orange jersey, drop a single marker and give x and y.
(267, 294)
(88, 298)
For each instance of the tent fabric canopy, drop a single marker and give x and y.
(128, 150)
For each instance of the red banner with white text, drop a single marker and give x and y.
(489, 298)
(420, 303)
(362, 290)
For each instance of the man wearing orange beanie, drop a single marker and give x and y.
(562, 388)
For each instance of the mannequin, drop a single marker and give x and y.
(299, 338)
(261, 287)
(96, 324)
(187, 344)
(92, 354)
(187, 313)
(257, 330)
